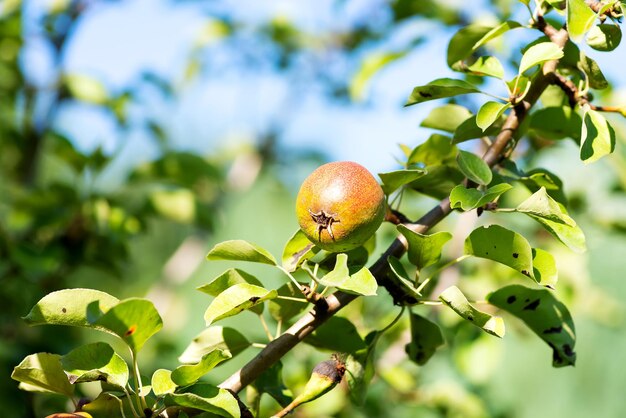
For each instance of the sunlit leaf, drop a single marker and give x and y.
(240, 250)
(580, 18)
(297, 250)
(538, 54)
(572, 236)
(597, 137)
(544, 268)
(474, 167)
(95, 362)
(468, 199)
(393, 180)
(604, 37)
(214, 338)
(453, 298)
(207, 398)
(424, 250)
(489, 113)
(541, 205)
(236, 299)
(361, 283)
(469, 130)
(162, 382)
(230, 278)
(461, 45)
(70, 307)
(487, 66)
(543, 314)
(134, 320)
(371, 65)
(440, 88)
(426, 337)
(446, 118)
(503, 246)
(188, 374)
(107, 405)
(593, 72)
(43, 372)
(402, 281)
(86, 88)
(496, 32)
(436, 150)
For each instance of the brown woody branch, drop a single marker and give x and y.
(335, 302)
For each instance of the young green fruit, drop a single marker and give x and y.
(340, 206)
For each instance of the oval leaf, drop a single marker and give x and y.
(236, 299)
(162, 382)
(404, 285)
(502, 245)
(597, 137)
(446, 118)
(43, 372)
(470, 130)
(489, 113)
(72, 307)
(297, 250)
(214, 338)
(468, 199)
(544, 268)
(455, 300)
(474, 168)
(188, 374)
(572, 236)
(541, 205)
(361, 283)
(604, 37)
(543, 314)
(487, 66)
(393, 180)
(134, 320)
(541, 52)
(580, 18)
(207, 398)
(93, 362)
(240, 250)
(440, 88)
(230, 278)
(424, 250)
(426, 337)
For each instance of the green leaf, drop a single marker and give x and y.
(539, 53)
(538, 178)
(86, 88)
(188, 374)
(519, 87)
(236, 299)
(469, 130)
(572, 236)
(604, 37)
(240, 250)
(489, 113)
(502, 245)
(214, 338)
(43, 372)
(468, 199)
(474, 167)
(436, 150)
(439, 181)
(162, 382)
(336, 334)
(93, 362)
(360, 283)
(556, 123)
(462, 43)
(402, 281)
(592, 70)
(360, 369)
(134, 320)
(424, 250)
(597, 137)
(284, 309)
(107, 405)
(297, 250)
(544, 268)
(440, 88)
(455, 300)
(271, 382)
(426, 337)
(541, 205)
(369, 67)
(207, 398)
(71, 307)
(446, 118)
(496, 32)
(580, 18)
(230, 278)
(393, 180)
(543, 314)
(487, 66)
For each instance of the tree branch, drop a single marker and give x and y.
(335, 302)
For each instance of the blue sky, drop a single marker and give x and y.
(116, 41)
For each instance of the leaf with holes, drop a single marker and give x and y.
(424, 250)
(426, 337)
(455, 300)
(188, 374)
(42, 372)
(214, 338)
(240, 250)
(597, 137)
(539, 53)
(580, 18)
(503, 246)
(489, 113)
(474, 167)
(468, 199)
(134, 320)
(297, 250)
(95, 362)
(236, 299)
(544, 314)
(206, 397)
(439, 89)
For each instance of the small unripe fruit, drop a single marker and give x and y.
(340, 206)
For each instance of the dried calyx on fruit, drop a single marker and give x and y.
(340, 206)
